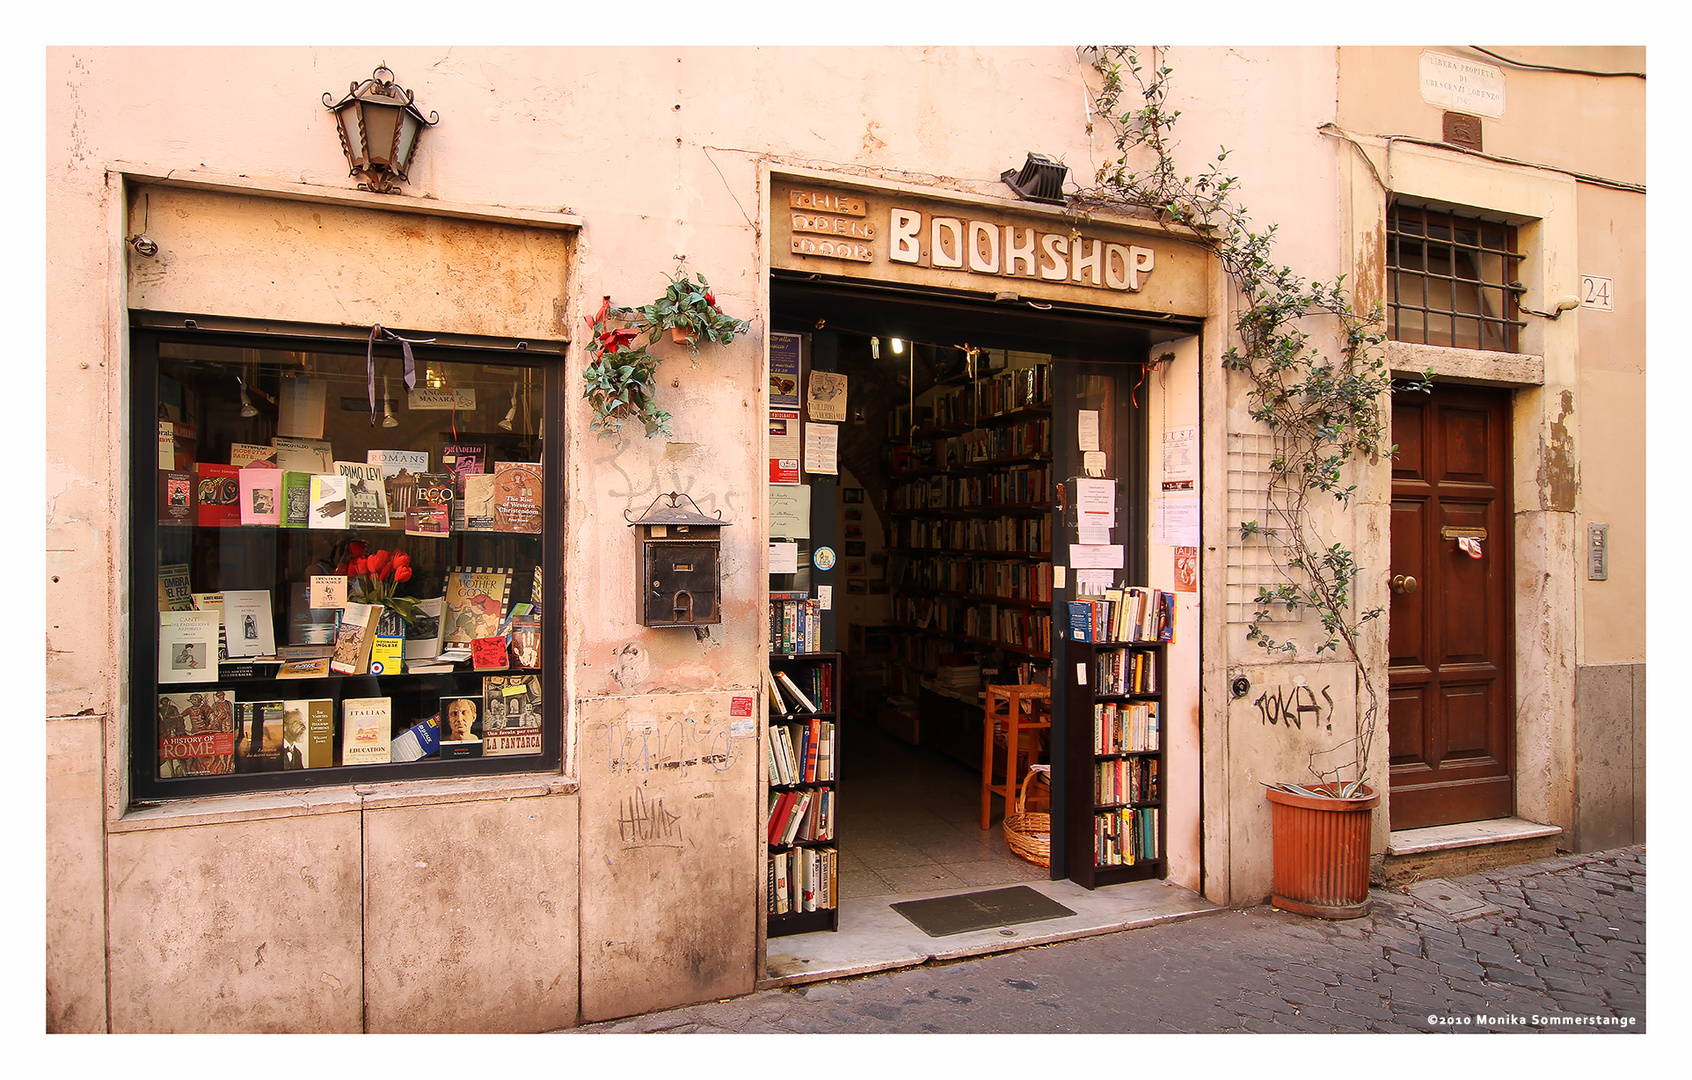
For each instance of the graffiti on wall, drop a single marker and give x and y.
(667, 744)
(643, 823)
(1295, 706)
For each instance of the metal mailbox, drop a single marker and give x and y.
(681, 581)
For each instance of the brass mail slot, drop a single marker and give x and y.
(1457, 532)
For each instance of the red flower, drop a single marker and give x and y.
(359, 567)
(355, 549)
(709, 299)
(402, 559)
(402, 572)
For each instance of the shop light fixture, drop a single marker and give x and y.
(1567, 303)
(898, 346)
(1041, 179)
(379, 126)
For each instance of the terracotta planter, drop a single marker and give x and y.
(680, 336)
(1322, 853)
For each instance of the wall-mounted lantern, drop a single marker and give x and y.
(681, 580)
(379, 126)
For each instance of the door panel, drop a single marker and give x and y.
(1451, 696)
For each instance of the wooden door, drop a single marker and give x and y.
(1451, 726)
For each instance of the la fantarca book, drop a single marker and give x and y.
(511, 715)
(366, 725)
(476, 602)
(196, 734)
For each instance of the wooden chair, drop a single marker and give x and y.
(1004, 725)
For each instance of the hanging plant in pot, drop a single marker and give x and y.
(1325, 415)
(618, 381)
(688, 310)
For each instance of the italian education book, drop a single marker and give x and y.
(366, 725)
(511, 715)
(196, 734)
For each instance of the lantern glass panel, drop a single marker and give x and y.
(380, 122)
(348, 118)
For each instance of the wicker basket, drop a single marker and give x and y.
(1029, 836)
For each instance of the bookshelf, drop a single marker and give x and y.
(969, 525)
(802, 766)
(1114, 756)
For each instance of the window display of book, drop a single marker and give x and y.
(802, 751)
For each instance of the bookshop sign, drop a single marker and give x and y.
(893, 236)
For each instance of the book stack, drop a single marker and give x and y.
(1125, 836)
(795, 623)
(800, 880)
(1129, 615)
(1130, 727)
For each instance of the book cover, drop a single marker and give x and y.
(423, 637)
(328, 503)
(488, 654)
(386, 652)
(295, 500)
(367, 495)
(519, 498)
(1080, 620)
(795, 816)
(526, 641)
(401, 489)
(175, 592)
(464, 459)
(353, 639)
(478, 502)
(779, 862)
(301, 405)
(176, 445)
(258, 736)
(394, 462)
(428, 521)
(366, 731)
(249, 625)
(308, 456)
(217, 494)
(461, 727)
(176, 499)
(261, 495)
(476, 599)
(793, 691)
(420, 740)
(308, 733)
(511, 715)
(243, 454)
(196, 734)
(188, 646)
(311, 667)
(309, 625)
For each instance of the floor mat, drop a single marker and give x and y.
(944, 916)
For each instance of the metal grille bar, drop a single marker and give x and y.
(1448, 279)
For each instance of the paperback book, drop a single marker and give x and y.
(420, 740)
(196, 734)
(461, 727)
(328, 501)
(518, 501)
(478, 502)
(296, 500)
(242, 455)
(258, 736)
(367, 495)
(309, 625)
(354, 638)
(511, 720)
(188, 646)
(250, 628)
(366, 726)
(261, 495)
(476, 601)
(423, 636)
(176, 499)
(307, 456)
(217, 494)
(308, 733)
(175, 592)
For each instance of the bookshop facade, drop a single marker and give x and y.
(385, 692)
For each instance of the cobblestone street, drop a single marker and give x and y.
(1557, 945)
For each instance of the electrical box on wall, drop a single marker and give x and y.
(680, 564)
(1597, 552)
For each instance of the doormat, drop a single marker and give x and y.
(944, 916)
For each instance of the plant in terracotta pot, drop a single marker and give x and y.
(688, 310)
(1324, 414)
(618, 381)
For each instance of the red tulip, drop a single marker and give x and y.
(378, 562)
(355, 549)
(401, 559)
(360, 566)
(402, 573)
(342, 569)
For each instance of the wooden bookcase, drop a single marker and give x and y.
(970, 525)
(818, 676)
(1089, 810)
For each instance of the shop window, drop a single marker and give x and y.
(1448, 278)
(330, 594)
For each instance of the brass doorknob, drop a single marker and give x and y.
(1404, 584)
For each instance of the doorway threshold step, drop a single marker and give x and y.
(1466, 834)
(874, 937)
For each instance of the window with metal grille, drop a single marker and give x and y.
(1449, 279)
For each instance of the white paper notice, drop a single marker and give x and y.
(1178, 522)
(1095, 502)
(1094, 462)
(1057, 576)
(328, 591)
(784, 558)
(822, 448)
(790, 511)
(784, 447)
(825, 396)
(1087, 429)
(1180, 462)
(1093, 582)
(1093, 534)
(1095, 556)
(825, 595)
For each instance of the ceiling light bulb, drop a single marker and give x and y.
(898, 346)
